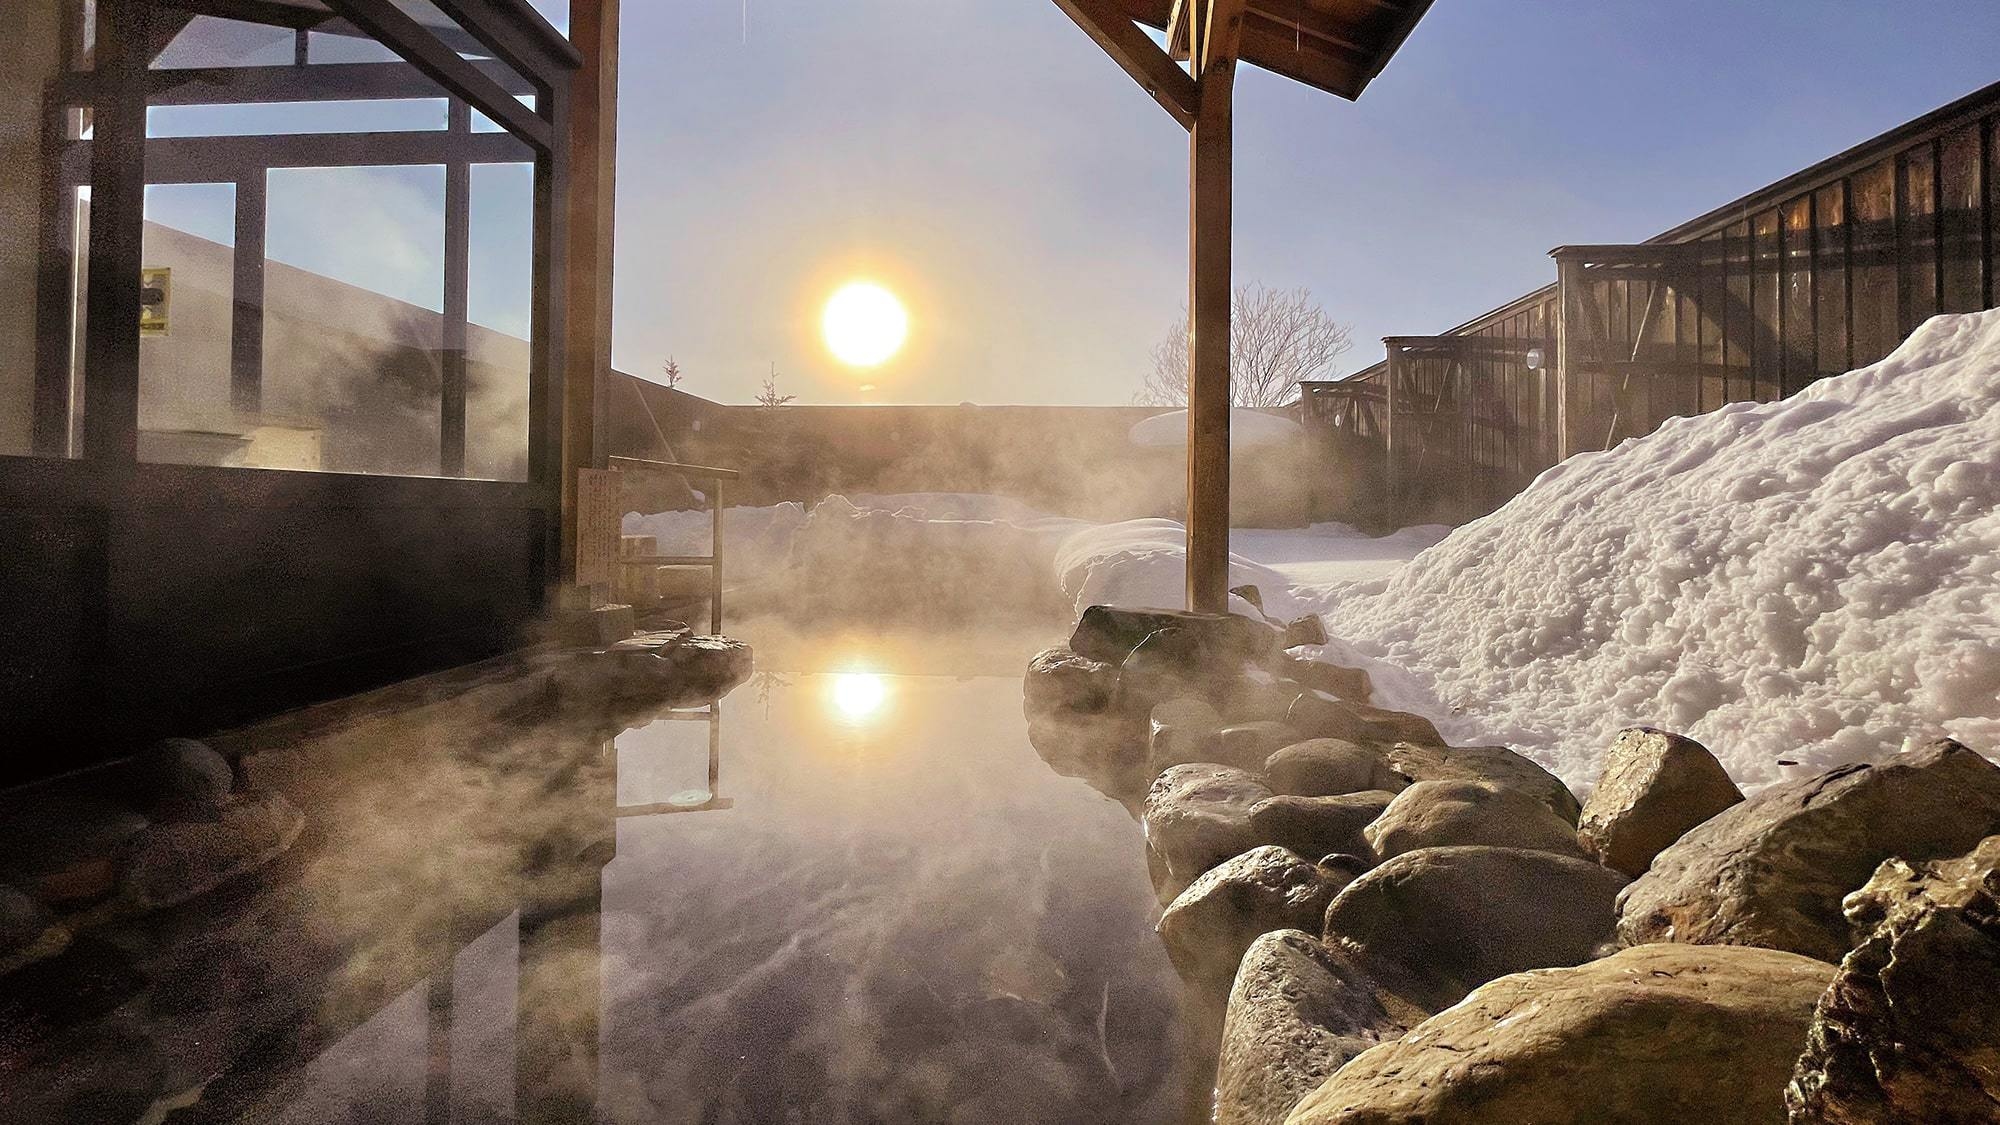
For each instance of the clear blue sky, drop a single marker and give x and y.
(1029, 201)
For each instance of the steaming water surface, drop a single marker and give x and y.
(851, 892)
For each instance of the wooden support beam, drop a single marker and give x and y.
(1210, 214)
(117, 231)
(1137, 54)
(593, 156)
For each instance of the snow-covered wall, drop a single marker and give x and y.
(1796, 584)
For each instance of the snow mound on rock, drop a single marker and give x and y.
(1248, 429)
(1797, 584)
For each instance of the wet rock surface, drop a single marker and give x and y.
(1910, 1029)
(1111, 633)
(1436, 814)
(1198, 816)
(1497, 764)
(1655, 787)
(1458, 917)
(1659, 1033)
(171, 863)
(184, 779)
(1298, 1010)
(28, 932)
(1320, 826)
(1061, 680)
(1207, 928)
(1326, 767)
(1773, 870)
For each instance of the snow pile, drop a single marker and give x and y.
(1248, 429)
(1797, 584)
(1144, 563)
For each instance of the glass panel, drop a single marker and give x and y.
(328, 47)
(1830, 279)
(1797, 296)
(1764, 307)
(188, 276)
(1714, 383)
(1873, 263)
(1736, 313)
(554, 11)
(211, 41)
(454, 35)
(499, 304)
(27, 310)
(1916, 237)
(353, 314)
(388, 115)
(1959, 190)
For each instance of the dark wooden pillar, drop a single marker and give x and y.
(593, 156)
(246, 321)
(117, 232)
(1213, 44)
(457, 278)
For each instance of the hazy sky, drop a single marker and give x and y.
(1029, 202)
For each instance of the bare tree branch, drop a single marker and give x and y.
(1277, 337)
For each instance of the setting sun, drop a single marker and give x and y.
(864, 324)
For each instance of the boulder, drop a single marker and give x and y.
(1181, 730)
(1350, 684)
(1497, 764)
(1320, 826)
(1197, 816)
(1909, 1031)
(1459, 917)
(708, 666)
(1209, 926)
(1110, 634)
(1661, 1033)
(168, 864)
(1655, 787)
(1060, 680)
(1251, 744)
(28, 933)
(1772, 870)
(1254, 694)
(183, 779)
(1307, 629)
(1438, 814)
(1107, 750)
(1299, 1009)
(1322, 715)
(1326, 767)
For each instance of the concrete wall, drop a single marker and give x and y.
(1067, 460)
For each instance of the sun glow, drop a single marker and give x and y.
(857, 695)
(864, 324)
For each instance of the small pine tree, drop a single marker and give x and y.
(671, 372)
(770, 396)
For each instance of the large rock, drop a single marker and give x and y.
(1198, 815)
(1350, 684)
(1772, 871)
(1110, 633)
(1655, 787)
(28, 933)
(708, 666)
(1107, 750)
(1910, 1030)
(1459, 917)
(1060, 680)
(1438, 814)
(1209, 926)
(1497, 764)
(1251, 744)
(1298, 1011)
(184, 779)
(1320, 826)
(1182, 730)
(1326, 767)
(1661, 1033)
(168, 864)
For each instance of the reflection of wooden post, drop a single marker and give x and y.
(593, 155)
(1213, 48)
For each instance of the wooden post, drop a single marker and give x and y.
(593, 157)
(1214, 48)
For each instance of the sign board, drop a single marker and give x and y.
(156, 290)
(598, 525)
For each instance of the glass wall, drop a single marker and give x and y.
(335, 252)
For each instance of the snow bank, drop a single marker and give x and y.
(1144, 563)
(1797, 584)
(1248, 429)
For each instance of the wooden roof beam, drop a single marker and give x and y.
(1135, 52)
